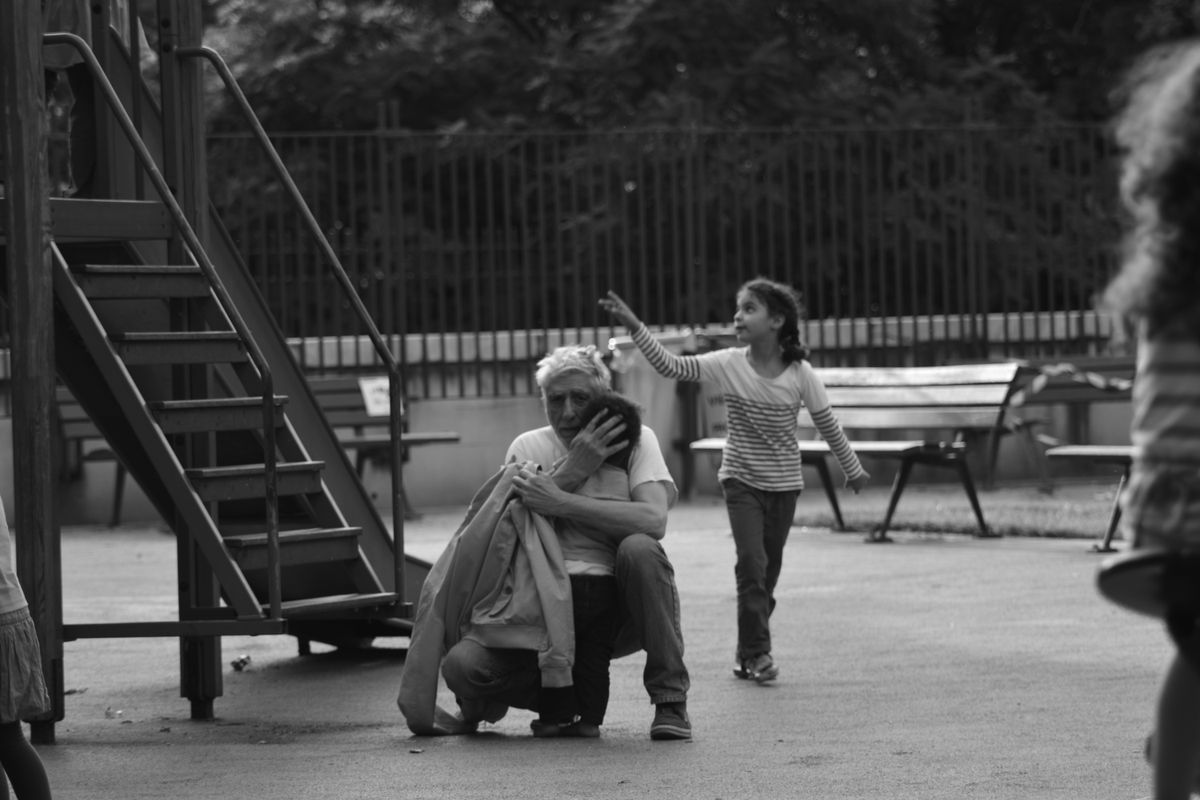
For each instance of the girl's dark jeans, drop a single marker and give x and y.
(760, 521)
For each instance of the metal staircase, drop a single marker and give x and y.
(153, 356)
(166, 343)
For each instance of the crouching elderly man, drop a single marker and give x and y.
(487, 681)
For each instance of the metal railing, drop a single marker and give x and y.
(912, 245)
(349, 294)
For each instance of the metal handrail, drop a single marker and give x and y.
(198, 252)
(385, 354)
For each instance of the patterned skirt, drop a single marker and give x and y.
(23, 693)
(1160, 507)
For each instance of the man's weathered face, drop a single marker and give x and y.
(565, 397)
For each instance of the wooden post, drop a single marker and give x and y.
(181, 25)
(31, 307)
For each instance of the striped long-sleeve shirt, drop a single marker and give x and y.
(1161, 501)
(1166, 402)
(762, 414)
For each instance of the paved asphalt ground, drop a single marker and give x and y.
(940, 666)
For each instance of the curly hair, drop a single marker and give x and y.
(1158, 131)
(628, 412)
(781, 299)
(573, 358)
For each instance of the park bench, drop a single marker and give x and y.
(1077, 383)
(359, 429)
(1118, 454)
(932, 416)
(362, 428)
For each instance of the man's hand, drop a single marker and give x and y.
(452, 724)
(539, 492)
(600, 438)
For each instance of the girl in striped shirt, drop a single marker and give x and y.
(1157, 292)
(765, 383)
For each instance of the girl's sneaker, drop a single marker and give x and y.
(760, 669)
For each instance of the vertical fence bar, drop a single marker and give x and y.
(472, 241)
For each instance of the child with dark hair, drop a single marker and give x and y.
(590, 560)
(1157, 294)
(765, 383)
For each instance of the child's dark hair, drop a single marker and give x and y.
(628, 412)
(1158, 130)
(783, 300)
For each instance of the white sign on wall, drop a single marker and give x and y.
(376, 398)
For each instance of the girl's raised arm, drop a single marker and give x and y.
(614, 305)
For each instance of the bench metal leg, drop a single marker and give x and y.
(991, 459)
(1035, 454)
(964, 475)
(880, 534)
(360, 466)
(1114, 518)
(822, 467)
(410, 513)
(118, 495)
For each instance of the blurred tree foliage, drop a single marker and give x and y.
(511, 65)
(820, 141)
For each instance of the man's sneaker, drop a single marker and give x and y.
(741, 671)
(565, 730)
(762, 668)
(671, 722)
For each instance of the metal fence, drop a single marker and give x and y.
(938, 244)
(476, 252)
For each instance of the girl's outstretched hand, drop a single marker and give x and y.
(614, 305)
(859, 483)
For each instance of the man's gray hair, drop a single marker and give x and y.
(573, 358)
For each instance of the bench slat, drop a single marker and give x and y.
(1106, 453)
(952, 419)
(1002, 373)
(842, 397)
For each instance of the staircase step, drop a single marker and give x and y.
(308, 546)
(91, 220)
(218, 414)
(317, 606)
(247, 481)
(109, 281)
(187, 347)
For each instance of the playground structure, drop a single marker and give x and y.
(142, 305)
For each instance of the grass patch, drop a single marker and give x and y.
(1072, 511)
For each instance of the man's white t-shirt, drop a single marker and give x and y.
(584, 553)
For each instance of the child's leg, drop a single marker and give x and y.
(596, 621)
(746, 510)
(1177, 736)
(780, 513)
(22, 765)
